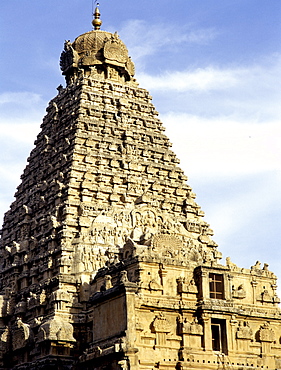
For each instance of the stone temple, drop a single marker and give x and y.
(106, 260)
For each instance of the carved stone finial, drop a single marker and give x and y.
(96, 21)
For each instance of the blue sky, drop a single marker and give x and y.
(213, 69)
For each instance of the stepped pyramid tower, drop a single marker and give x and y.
(106, 260)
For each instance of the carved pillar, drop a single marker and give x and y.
(205, 286)
(232, 340)
(207, 332)
(276, 299)
(254, 285)
(228, 287)
(131, 334)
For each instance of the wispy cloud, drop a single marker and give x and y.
(192, 80)
(18, 106)
(249, 92)
(20, 98)
(216, 78)
(143, 39)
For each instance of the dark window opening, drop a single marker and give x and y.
(216, 286)
(219, 341)
(216, 337)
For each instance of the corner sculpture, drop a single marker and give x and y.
(106, 260)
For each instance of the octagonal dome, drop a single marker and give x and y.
(96, 48)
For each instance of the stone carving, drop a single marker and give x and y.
(265, 333)
(244, 331)
(239, 293)
(153, 285)
(183, 287)
(191, 328)
(115, 50)
(20, 334)
(230, 264)
(170, 245)
(256, 266)
(160, 324)
(20, 307)
(145, 225)
(123, 279)
(69, 57)
(107, 283)
(162, 327)
(60, 297)
(130, 66)
(42, 297)
(56, 329)
(265, 296)
(10, 305)
(4, 339)
(276, 299)
(32, 301)
(2, 305)
(123, 364)
(93, 49)
(278, 363)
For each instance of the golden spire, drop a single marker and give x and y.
(96, 21)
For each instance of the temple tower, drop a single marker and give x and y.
(106, 260)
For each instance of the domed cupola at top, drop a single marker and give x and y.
(97, 53)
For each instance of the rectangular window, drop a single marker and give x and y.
(216, 286)
(216, 337)
(219, 342)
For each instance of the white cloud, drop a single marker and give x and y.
(197, 80)
(10, 172)
(20, 117)
(18, 109)
(261, 75)
(245, 93)
(143, 39)
(20, 98)
(21, 132)
(225, 146)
